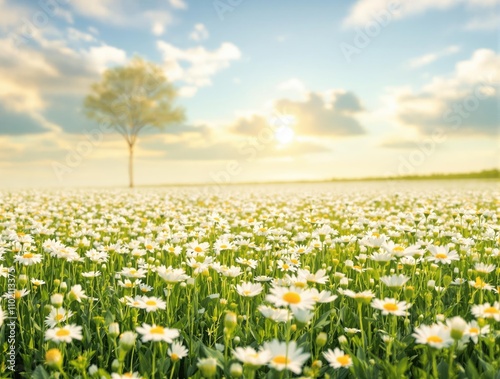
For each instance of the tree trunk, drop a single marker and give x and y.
(131, 165)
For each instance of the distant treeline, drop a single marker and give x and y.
(485, 174)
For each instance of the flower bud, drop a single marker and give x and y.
(22, 280)
(114, 330)
(127, 340)
(53, 358)
(57, 300)
(115, 365)
(321, 339)
(236, 370)
(457, 327)
(93, 369)
(208, 367)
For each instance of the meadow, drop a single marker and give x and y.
(360, 280)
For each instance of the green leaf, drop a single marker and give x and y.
(40, 373)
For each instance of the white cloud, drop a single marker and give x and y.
(101, 57)
(429, 58)
(196, 66)
(462, 103)
(366, 11)
(187, 91)
(178, 4)
(105, 10)
(64, 14)
(159, 21)
(199, 33)
(292, 85)
(78, 35)
(486, 22)
(157, 29)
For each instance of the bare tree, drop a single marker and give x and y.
(131, 98)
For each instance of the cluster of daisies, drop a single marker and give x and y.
(251, 282)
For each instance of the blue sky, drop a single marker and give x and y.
(417, 94)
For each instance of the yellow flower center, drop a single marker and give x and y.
(344, 360)
(441, 256)
(17, 294)
(479, 283)
(474, 331)
(150, 302)
(281, 360)
(174, 357)
(156, 330)
(294, 261)
(292, 297)
(58, 317)
(434, 339)
(223, 246)
(376, 235)
(391, 307)
(149, 247)
(285, 266)
(491, 310)
(63, 333)
(28, 256)
(129, 285)
(246, 292)
(398, 249)
(198, 249)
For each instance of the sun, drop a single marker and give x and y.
(284, 135)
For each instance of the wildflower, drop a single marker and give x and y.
(483, 268)
(473, 331)
(252, 358)
(56, 316)
(277, 315)
(394, 281)
(157, 333)
(28, 258)
(337, 358)
(248, 289)
(295, 298)
(436, 335)
(127, 375)
(442, 254)
(286, 356)
(151, 304)
(177, 351)
(391, 306)
(77, 293)
(66, 334)
(487, 311)
(480, 284)
(37, 282)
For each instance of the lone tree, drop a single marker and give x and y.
(131, 98)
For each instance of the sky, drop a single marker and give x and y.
(272, 90)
